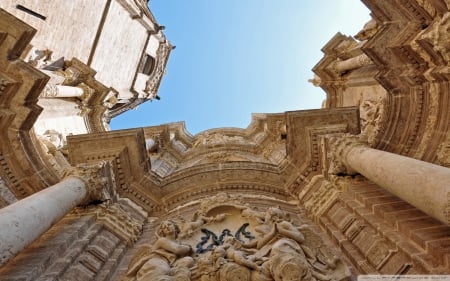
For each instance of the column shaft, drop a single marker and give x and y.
(24, 221)
(353, 63)
(422, 184)
(60, 91)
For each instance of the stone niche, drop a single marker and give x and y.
(229, 240)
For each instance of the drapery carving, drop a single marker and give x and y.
(231, 241)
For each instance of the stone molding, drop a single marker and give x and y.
(317, 200)
(118, 221)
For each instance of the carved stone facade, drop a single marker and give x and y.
(230, 240)
(357, 187)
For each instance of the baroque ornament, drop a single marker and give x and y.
(98, 179)
(339, 147)
(231, 241)
(371, 112)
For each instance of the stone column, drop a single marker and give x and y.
(423, 185)
(60, 91)
(26, 220)
(352, 63)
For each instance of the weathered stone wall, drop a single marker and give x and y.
(119, 49)
(377, 231)
(67, 34)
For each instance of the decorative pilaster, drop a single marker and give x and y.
(24, 221)
(423, 185)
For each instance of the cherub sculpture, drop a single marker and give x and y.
(167, 260)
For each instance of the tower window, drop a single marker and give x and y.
(149, 64)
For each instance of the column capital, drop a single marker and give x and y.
(98, 178)
(338, 148)
(49, 91)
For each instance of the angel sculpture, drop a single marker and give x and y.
(166, 260)
(288, 255)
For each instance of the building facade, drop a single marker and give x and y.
(361, 186)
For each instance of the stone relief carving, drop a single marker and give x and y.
(443, 154)
(228, 240)
(322, 198)
(167, 259)
(437, 35)
(40, 58)
(117, 218)
(53, 140)
(370, 113)
(217, 138)
(368, 31)
(50, 90)
(55, 151)
(110, 100)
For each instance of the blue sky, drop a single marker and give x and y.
(237, 57)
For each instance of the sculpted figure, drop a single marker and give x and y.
(188, 228)
(286, 256)
(208, 266)
(273, 227)
(168, 259)
(236, 253)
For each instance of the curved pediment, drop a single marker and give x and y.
(173, 148)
